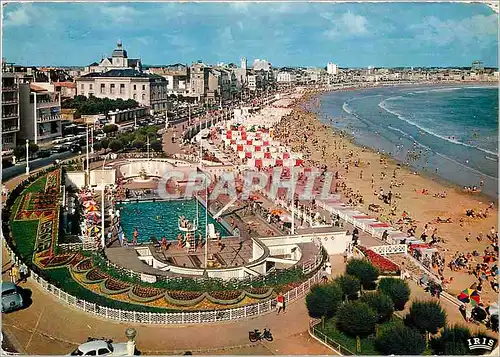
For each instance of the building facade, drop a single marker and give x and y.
(118, 60)
(10, 109)
(149, 90)
(40, 113)
(332, 68)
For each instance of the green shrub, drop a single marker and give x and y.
(453, 341)
(356, 318)
(397, 289)
(364, 271)
(350, 286)
(426, 316)
(381, 303)
(323, 300)
(400, 340)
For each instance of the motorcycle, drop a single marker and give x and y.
(256, 335)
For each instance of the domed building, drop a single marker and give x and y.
(118, 60)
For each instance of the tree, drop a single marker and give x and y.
(105, 143)
(156, 146)
(356, 318)
(20, 151)
(400, 340)
(350, 286)
(115, 145)
(364, 271)
(452, 341)
(110, 128)
(97, 146)
(397, 289)
(323, 300)
(426, 316)
(139, 144)
(33, 148)
(381, 303)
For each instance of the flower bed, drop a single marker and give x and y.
(226, 297)
(143, 295)
(111, 287)
(184, 298)
(385, 266)
(83, 266)
(259, 293)
(60, 260)
(94, 276)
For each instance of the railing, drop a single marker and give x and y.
(10, 129)
(9, 88)
(157, 318)
(74, 247)
(46, 118)
(9, 115)
(328, 341)
(390, 249)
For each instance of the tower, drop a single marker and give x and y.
(244, 63)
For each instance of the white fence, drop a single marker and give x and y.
(390, 249)
(167, 317)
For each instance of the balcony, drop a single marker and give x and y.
(11, 88)
(10, 129)
(47, 100)
(10, 115)
(47, 118)
(9, 101)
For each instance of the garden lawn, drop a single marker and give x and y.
(348, 342)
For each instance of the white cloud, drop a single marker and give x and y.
(18, 17)
(346, 24)
(120, 14)
(470, 30)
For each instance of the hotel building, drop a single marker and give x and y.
(10, 109)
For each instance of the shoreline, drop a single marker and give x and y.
(321, 144)
(429, 174)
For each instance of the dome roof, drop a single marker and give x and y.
(119, 51)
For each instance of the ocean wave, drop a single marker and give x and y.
(439, 90)
(347, 109)
(400, 116)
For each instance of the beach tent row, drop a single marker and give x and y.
(254, 162)
(364, 222)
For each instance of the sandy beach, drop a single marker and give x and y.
(423, 198)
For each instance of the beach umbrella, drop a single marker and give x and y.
(92, 208)
(93, 229)
(493, 309)
(89, 203)
(471, 296)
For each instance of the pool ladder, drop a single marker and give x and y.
(191, 238)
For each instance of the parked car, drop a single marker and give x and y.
(11, 297)
(44, 153)
(101, 348)
(56, 149)
(75, 148)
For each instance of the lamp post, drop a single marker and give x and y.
(27, 158)
(103, 236)
(87, 156)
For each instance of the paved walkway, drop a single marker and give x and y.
(48, 319)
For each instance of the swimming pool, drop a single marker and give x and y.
(160, 219)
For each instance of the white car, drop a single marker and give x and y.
(100, 348)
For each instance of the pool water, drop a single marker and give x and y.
(161, 219)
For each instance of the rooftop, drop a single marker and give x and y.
(122, 73)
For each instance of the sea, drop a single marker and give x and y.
(448, 131)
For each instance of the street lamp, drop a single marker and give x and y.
(27, 159)
(103, 237)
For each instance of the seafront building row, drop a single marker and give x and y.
(32, 98)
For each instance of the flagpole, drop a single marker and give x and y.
(206, 222)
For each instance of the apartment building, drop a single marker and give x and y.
(286, 78)
(177, 77)
(10, 109)
(40, 113)
(149, 90)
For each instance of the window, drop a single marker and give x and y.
(103, 88)
(91, 353)
(122, 88)
(82, 86)
(143, 96)
(143, 87)
(112, 88)
(102, 351)
(135, 96)
(135, 87)
(90, 86)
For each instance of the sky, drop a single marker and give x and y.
(286, 34)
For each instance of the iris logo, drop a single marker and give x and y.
(481, 343)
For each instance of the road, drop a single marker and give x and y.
(20, 168)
